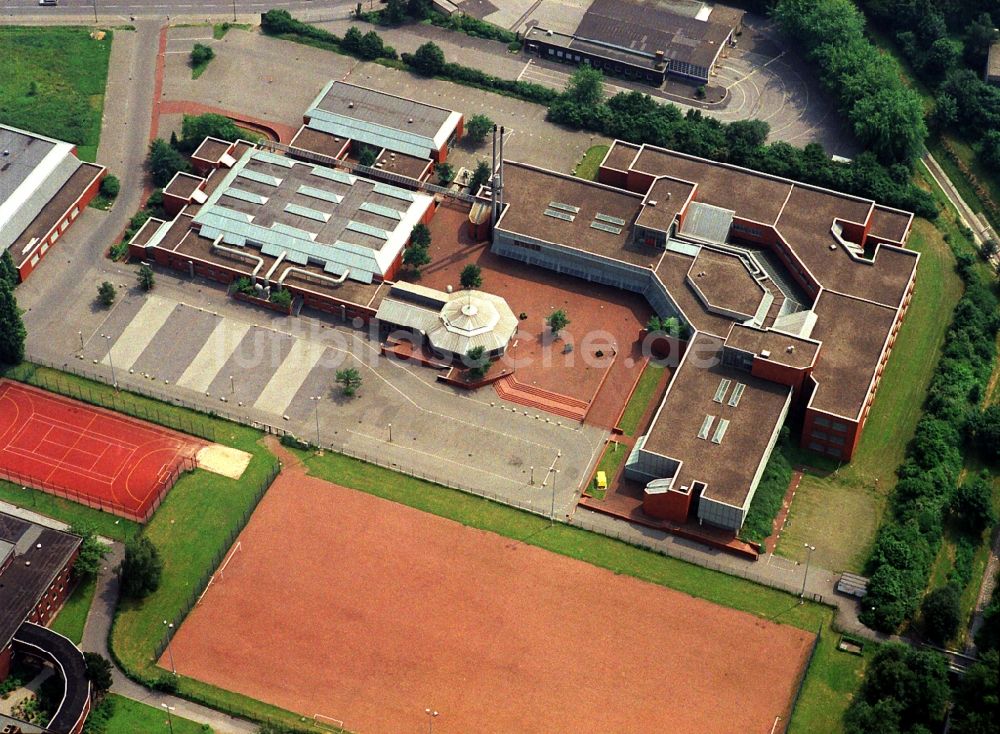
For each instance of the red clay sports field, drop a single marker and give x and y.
(87, 454)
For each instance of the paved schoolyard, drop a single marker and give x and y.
(367, 612)
(267, 368)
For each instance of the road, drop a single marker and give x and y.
(104, 9)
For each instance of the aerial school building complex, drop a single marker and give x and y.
(795, 295)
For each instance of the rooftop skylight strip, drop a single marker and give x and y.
(609, 219)
(559, 215)
(720, 391)
(382, 211)
(706, 426)
(304, 211)
(720, 431)
(564, 207)
(734, 399)
(322, 194)
(606, 227)
(333, 175)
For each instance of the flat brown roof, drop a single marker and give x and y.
(620, 155)
(318, 142)
(183, 185)
(529, 192)
(382, 108)
(672, 271)
(756, 341)
(211, 149)
(889, 224)
(664, 201)
(854, 333)
(725, 282)
(728, 467)
(751, 195)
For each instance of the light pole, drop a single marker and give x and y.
(317, 398)
(95, 11)
(111, 361)
(80, 334)
(390, 433)
(552, 511)
(805, 576)
(234, 11)
(170, 721)
(232, 385)
(431, 715)
(170, 653)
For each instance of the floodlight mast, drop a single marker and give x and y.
(493, 181)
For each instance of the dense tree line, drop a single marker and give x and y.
(946, 44)
(927, 496)
(887, 117)
(638, 118)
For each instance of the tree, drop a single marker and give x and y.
(99, 673)
(990, 150)
(106, 294)
(420, 236)
(478, 362)
(163, 162)
(352, 40)
(145, 277)
(984, 429)
(980, 34)
(141, 569)
(201, 55)
(8, 273)
(91, 554)
(195, 128)
(586, 86)
(415, 257)
(395, 12)
(367, 155)
(477, 128)
(349, 380)
(419, 9)
(976, 709)
(941, 614)
(110, 187)
(971, 505)
(445, 173)
(903, 689)
(480, 175)
(12, 331)
(429, 59)
(557, 321)
(471, 277)
(371, 46)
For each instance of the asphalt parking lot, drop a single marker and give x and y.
(188, 341)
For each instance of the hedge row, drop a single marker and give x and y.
(638, 118)
(367, 46)
(887, 116)
(926, 495)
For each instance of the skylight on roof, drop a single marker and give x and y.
(332, 175)
(304, 211)
(706, 426)
(564, 207)
(322, 194)
(611, 229)
(367, 229)
(382, 211)
(734, 399)
(559, 215)
(720, 391)
(720, 431)
(609, 219)
(247, 196)
(393, 191)
(264, 178)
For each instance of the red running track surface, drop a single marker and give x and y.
(91, 455)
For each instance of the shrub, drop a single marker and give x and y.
(478, 363)
(146, 278)
(557, 321)
(349, 380)
(281, 297)
(480, 176)
(163, 162)
(472, 276)
(201, 54)
(428, 59)
(106, 294)
(477, 128)
(110, 186)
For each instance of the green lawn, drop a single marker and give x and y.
(131, 717)
(219, 30)
(53, 83)
(831, 678)
(611, 460)
(643, 395)
(66, 511)
(73, 616)
(839, 511)
(587, 168)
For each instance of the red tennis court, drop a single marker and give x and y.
(90, 455)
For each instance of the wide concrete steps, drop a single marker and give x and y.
(531, 396)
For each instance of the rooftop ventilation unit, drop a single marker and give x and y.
(765, 353)
(790, 349)
(833, 246)
(350, 105)
(651, 202)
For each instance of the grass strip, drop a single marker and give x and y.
(73, 616)
(588, 167)
(641, 398)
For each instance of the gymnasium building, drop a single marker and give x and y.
(794, 293)
(35, 567)
(43, 189)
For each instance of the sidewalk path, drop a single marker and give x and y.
(95, 639)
